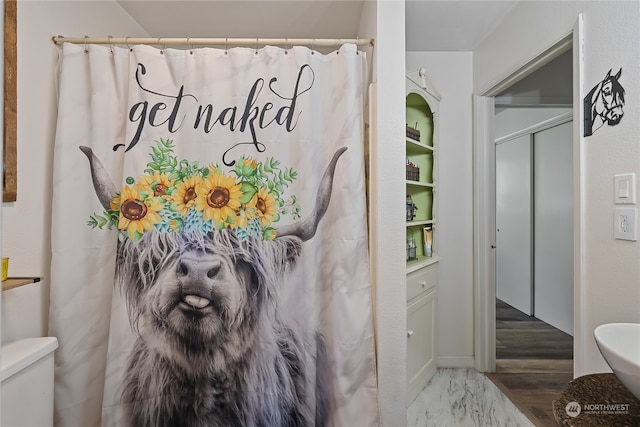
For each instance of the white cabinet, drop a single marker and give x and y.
(421, 144)
(421, 321)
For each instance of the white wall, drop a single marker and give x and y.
(451, 74)
(511, 120)
(387, 216)
(549, 86)
(25, 312)
(608, 286)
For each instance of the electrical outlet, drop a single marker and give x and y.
(624, 224)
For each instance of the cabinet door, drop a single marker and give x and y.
(421, 358)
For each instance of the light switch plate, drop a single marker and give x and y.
(625, 189)
(625, 224)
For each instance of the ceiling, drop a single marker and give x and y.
(246, 18)
(451, 25)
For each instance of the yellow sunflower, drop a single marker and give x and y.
(136, 214)
(162, 184)
(218, 197)
(185, 195)
(266, 206)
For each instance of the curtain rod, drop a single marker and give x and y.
(220, 41)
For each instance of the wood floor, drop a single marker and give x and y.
(534, 363)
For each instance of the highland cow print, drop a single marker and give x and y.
(209, 247)
(202, 295)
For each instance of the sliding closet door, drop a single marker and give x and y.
(553, 225)
(513, 223)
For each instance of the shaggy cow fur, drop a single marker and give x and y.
(212, 348)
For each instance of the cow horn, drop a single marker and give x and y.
(105, 189)
(306, 228)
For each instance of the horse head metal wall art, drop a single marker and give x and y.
(603, 104)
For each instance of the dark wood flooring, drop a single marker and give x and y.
(534, 363)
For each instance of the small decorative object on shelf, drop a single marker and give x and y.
(411, 248)
(411, 209)
(413, 133)
(428, 240)
(413, 172)
(5, 268)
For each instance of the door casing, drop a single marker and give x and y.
(484, 201)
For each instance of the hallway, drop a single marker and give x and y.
(534, 362)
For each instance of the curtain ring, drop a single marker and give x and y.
(313, 46)
(126, 41)
(162, 47)
(357, 44)
(189, 44)
(286, 46)
(86, 50)
(339, 45)
(226, 45)
(110, 44)
(256, 45)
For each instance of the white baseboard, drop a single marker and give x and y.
(456, 362)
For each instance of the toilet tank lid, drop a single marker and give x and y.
(19, 354)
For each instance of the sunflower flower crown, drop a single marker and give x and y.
(178, 195)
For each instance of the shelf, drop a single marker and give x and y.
(419, 222)
(15, 282)
(411, 144)
(421, 262)
(421, 184)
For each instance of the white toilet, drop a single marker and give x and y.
(27, 382)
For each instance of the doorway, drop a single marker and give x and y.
(484, 198)
(534, 265)
(534, 284)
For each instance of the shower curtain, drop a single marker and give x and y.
(209, 238)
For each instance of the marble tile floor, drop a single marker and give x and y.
(463, 398)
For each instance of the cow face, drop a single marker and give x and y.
(201, 288)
